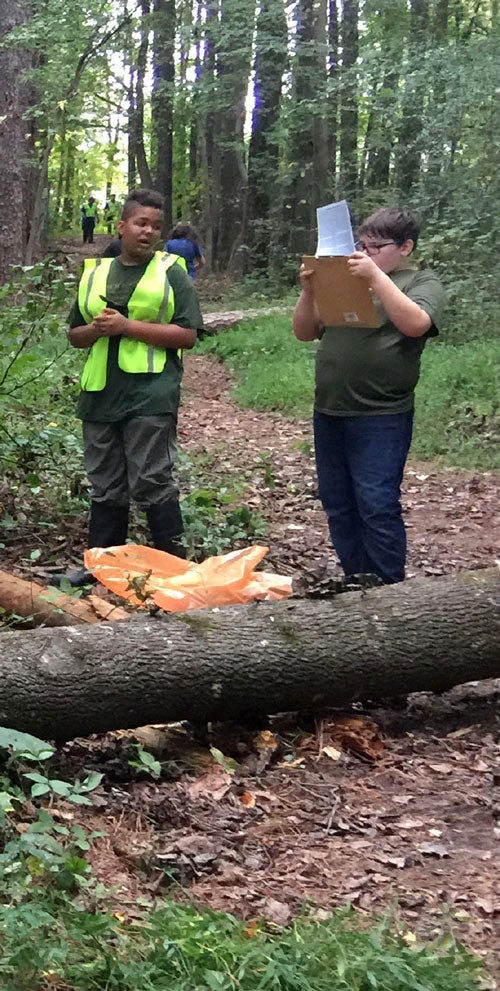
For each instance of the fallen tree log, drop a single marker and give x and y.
(38, 604)
(215, 322)
(422, 635)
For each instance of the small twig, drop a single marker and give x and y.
(320, 735)
(332, 815)
(38, 375)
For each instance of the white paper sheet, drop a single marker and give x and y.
(335, 235)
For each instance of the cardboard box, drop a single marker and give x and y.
(342, 300)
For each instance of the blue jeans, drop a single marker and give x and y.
(360, 462)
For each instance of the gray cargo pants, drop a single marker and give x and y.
(131, 459)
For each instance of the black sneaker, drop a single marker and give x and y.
(353, 583)
(77, 579)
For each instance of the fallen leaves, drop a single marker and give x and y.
(265, 740)
(434, 850)
(356, 734)
(214, 784)
(332, 752)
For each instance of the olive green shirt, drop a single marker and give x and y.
(145, 393)
(363, 370)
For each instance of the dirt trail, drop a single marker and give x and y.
(453, 516)
(305, 825)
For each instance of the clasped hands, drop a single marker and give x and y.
(110, 323)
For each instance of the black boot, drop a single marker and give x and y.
(108, 526)
(165, 523)
(354, 583)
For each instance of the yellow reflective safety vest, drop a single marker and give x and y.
(152, 301)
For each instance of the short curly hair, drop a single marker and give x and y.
(391, 222)
(142, 197)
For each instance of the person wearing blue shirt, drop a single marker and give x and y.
(183, 241)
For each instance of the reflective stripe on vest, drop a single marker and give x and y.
(152, 301)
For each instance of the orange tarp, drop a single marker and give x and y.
(140, 573)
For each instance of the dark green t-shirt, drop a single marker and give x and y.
(364, 370)
(142, 394)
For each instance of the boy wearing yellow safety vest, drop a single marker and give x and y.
(89, 214)
(136, 313)
(111, 213)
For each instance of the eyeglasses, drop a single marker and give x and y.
(373, 249)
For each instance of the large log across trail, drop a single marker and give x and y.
(422, 635)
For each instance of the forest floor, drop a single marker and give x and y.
(401, 812)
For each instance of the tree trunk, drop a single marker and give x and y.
(233, 64)
(37, 604)
(270, 62)
(137, 123)
(14, 147)
(409, 145)
(333, 100)
(209, 149)
(68, 207)
(131, 141)
(162, 102)
(349, 111)
(308, 142)
(421, 635)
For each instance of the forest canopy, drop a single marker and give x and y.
(248, 115)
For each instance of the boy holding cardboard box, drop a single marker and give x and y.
(365, 382)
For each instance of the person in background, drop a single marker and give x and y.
(134, 313)
(89, 214)
(111, 213)
(365, 382)
(183, 241)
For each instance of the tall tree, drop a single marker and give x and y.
(333, 96)
(409, 146)
(14, 145)
(307, 147)
(349, 109)
(136, 122)
(162, 101)
(209, 149)
(233, 62)
(270, 61)
(386, 38)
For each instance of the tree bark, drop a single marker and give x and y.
(307, 143)
(270, 62)
(14, 146)
(409, 141)
(422, 635)
(137, 123)
(349, 110)
(233, 52)
(35, 604)
(162, 103)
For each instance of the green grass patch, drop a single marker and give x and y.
(48, 941)
(458, 405)
(273, 370)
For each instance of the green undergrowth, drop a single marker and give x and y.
(273, 370)
(458, 404)
(61, 930)
(49, 941)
